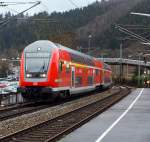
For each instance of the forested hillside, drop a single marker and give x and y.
(72, 28)
(18, 33)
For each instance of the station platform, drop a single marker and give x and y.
(127, 121)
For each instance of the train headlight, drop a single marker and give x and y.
(29, 75)
(43, 75)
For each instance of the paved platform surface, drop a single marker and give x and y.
(127, 121)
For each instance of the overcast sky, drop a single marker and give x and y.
(46, 5)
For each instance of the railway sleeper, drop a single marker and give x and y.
(35, 139)
(48, 129)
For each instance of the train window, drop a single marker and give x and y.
(78, 81)
(82, 60)
(97, 72)
(67, 68)
(60, 66)
(90, 80)
(85, 71)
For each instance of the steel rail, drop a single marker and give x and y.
(20, 110)
(25, 108)
(55, 128)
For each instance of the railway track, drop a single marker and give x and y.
(54, 129)
(25, 108)
(20, 110)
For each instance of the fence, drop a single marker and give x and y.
(10, 99)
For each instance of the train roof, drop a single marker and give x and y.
(106, 66)
(45, 44)
(73, 51)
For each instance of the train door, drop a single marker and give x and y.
(93, 76)
(103, 77)
(72, 76)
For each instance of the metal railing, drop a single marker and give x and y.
(124, 61)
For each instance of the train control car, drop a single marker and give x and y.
(49, 70)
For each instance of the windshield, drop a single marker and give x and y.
(37, 62)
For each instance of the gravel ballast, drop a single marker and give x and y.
(13, 125)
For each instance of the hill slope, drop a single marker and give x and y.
(73, 27)
(118, 9)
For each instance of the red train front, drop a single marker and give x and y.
(49, 70)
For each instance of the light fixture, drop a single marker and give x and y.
(38, 49)
(43, 75)
(29, 75)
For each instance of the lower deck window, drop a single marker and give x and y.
(90, 80)
(60, 66)
(97, 72)
(68, 68)
(78, 81)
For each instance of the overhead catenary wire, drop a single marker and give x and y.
(136, 27)
(73, 3)
(5, 22)
(38, 19)
(132, 34)
(3, 5)
(140, 14)
(7, 7)
(45, 4)
(14, 3)
(88, 2)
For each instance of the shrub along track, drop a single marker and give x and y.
(55, 128)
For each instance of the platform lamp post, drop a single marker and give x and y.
(122, 40)
(139, 69)
(103, 56)
(89, 42)
(121, 70)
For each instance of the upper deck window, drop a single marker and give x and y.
(82, 60)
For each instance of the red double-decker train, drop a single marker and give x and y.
(49, 70)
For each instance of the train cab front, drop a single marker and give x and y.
(35, 71)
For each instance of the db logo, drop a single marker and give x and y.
(35, 84)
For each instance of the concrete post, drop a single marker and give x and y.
(121, 62)
(139, 70)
